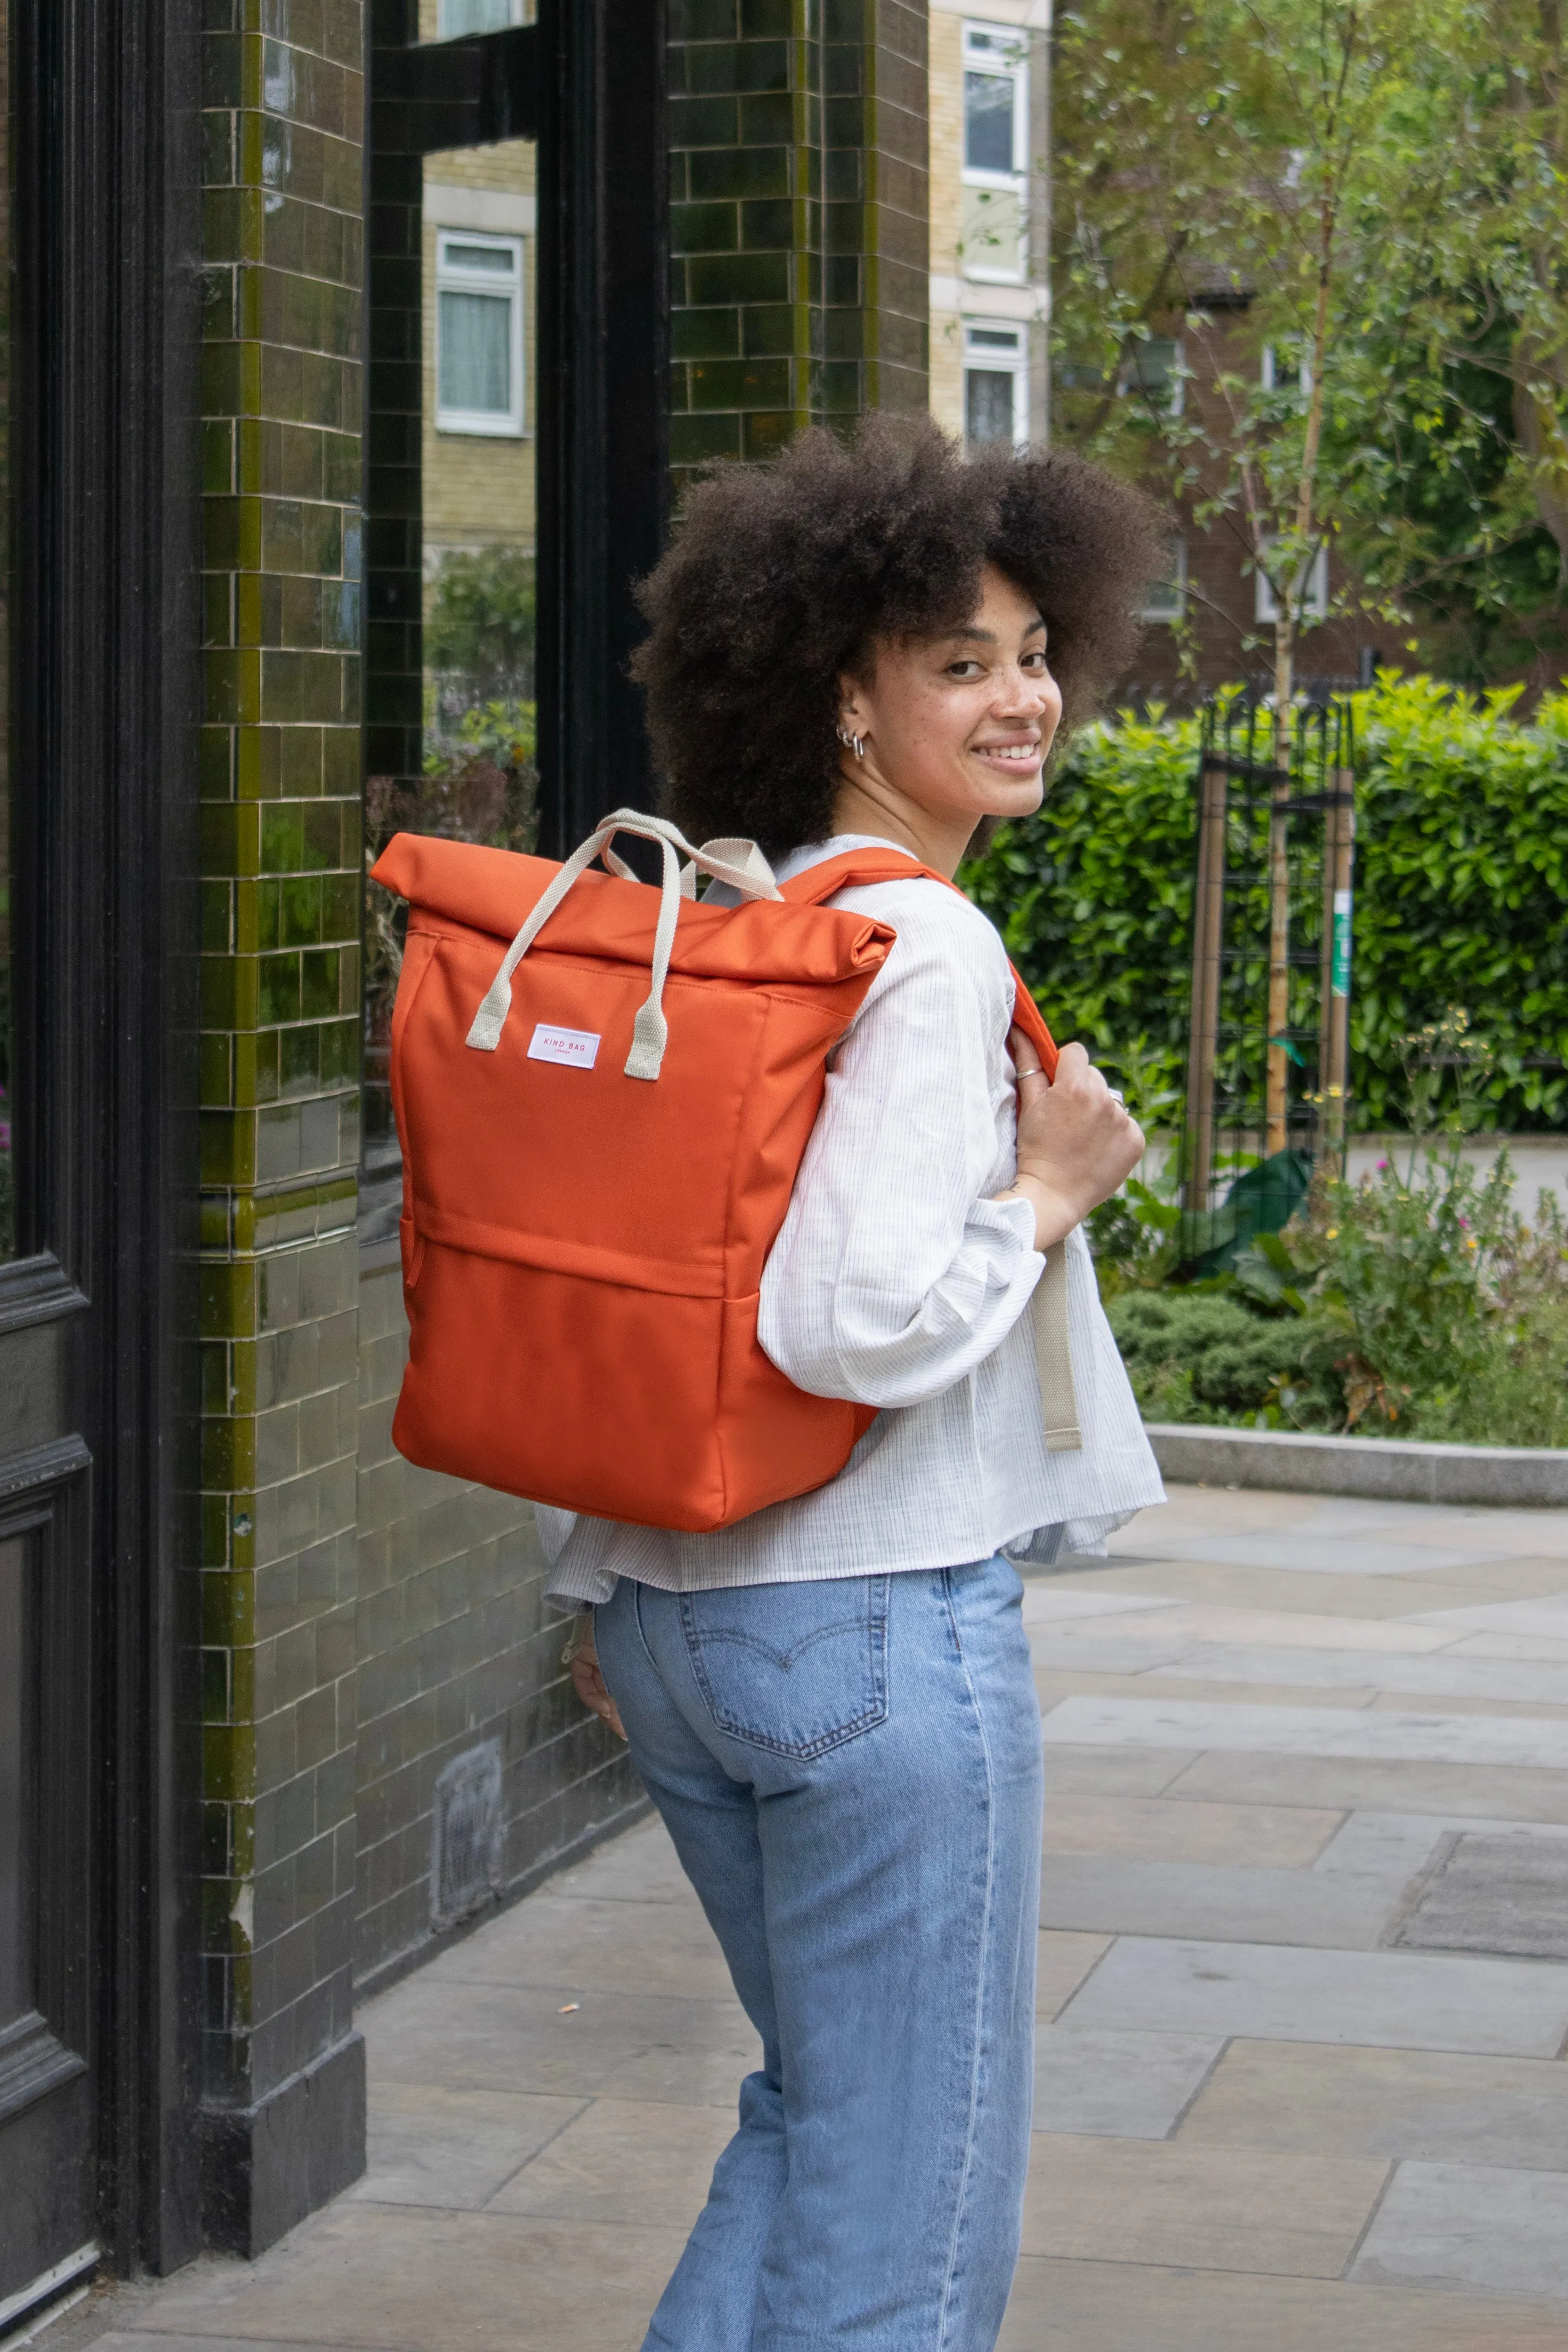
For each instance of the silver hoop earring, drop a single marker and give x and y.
(852, 743)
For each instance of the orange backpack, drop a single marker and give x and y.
(582, 1257)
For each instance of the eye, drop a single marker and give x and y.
(966, 668)
(1034, 661)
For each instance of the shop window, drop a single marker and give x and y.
(478, 333)
(1315, 580)
(995, 384)
(1166, 598)
(995, 153)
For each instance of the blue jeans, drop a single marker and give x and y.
(851, 1773)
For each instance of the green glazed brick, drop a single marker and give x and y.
(217, 457)
(215, 1696)
(279, 990)
(215, 1072)
(769, 119)
(739, 171)
(740, 384)
(300, 763)
(695, 439)
(228, 1763)
(707, 123)
(228, 1148)
(217, 916)
(770, 226)
(739, 278)
(217, 148)
(720, 70)
(221, 304)
(764, 437)
(283, 838)
(324, 828)
(712, 334)
(222, 69)
(338, 1046)
(320, 977)
(217, 609)
(266, 1068)
(299, 911)
(767, 329)
(705, 228)
(300, 1065)
(704, 20)
(763, 20)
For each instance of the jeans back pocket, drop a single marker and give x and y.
(797, 1668)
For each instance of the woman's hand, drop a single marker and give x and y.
(583, 1664)
(1077, 1141)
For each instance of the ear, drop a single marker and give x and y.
(853, 715)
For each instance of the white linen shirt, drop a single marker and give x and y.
(897, 1280)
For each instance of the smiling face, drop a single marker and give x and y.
(955, 728)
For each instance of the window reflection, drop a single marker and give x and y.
(476, 778)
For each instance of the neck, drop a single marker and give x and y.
(866, 802)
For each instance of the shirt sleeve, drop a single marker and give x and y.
(894, 1275)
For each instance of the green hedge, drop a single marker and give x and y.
(1461, 894)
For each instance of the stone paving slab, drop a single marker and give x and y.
(1440, 2106)
(1475, 2226)
(399, 2278)
(1400, 2000)
(1064, 2307)
(1401, 1738)
(1453, 1791)
(1216, 2208)
(1161, 1829)
(432, 2146)
(1230, 1905)
(1122, 2085)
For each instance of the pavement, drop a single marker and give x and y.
(1303, 1994)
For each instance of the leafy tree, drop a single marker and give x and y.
(1387, 182)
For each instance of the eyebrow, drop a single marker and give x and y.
(987, 636)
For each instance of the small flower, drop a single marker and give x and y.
(1382, 1167)
(1333, 1232)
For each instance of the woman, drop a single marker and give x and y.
(831, 1703)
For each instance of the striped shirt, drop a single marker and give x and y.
(897, 1280)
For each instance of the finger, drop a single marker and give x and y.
(1025, 1055)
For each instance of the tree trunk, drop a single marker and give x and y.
(1276, 1125)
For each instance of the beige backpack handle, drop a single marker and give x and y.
(741, 864)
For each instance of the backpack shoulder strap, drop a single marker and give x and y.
(855, 866)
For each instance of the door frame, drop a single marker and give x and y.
(105, 350)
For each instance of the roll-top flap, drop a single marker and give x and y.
(492, 890)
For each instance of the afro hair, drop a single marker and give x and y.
(783, 577)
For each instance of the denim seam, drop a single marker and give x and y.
(961, 2209)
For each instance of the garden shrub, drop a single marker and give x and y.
(1197, 1356)
(1461, 892)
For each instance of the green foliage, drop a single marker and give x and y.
(1413, 1304)
(1387, 183)
(1093, 896)
(1192, 1356)
(1461, 897)
(480, 627)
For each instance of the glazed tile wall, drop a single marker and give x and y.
(456, 1646)
(799, 226)
(283, 114)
